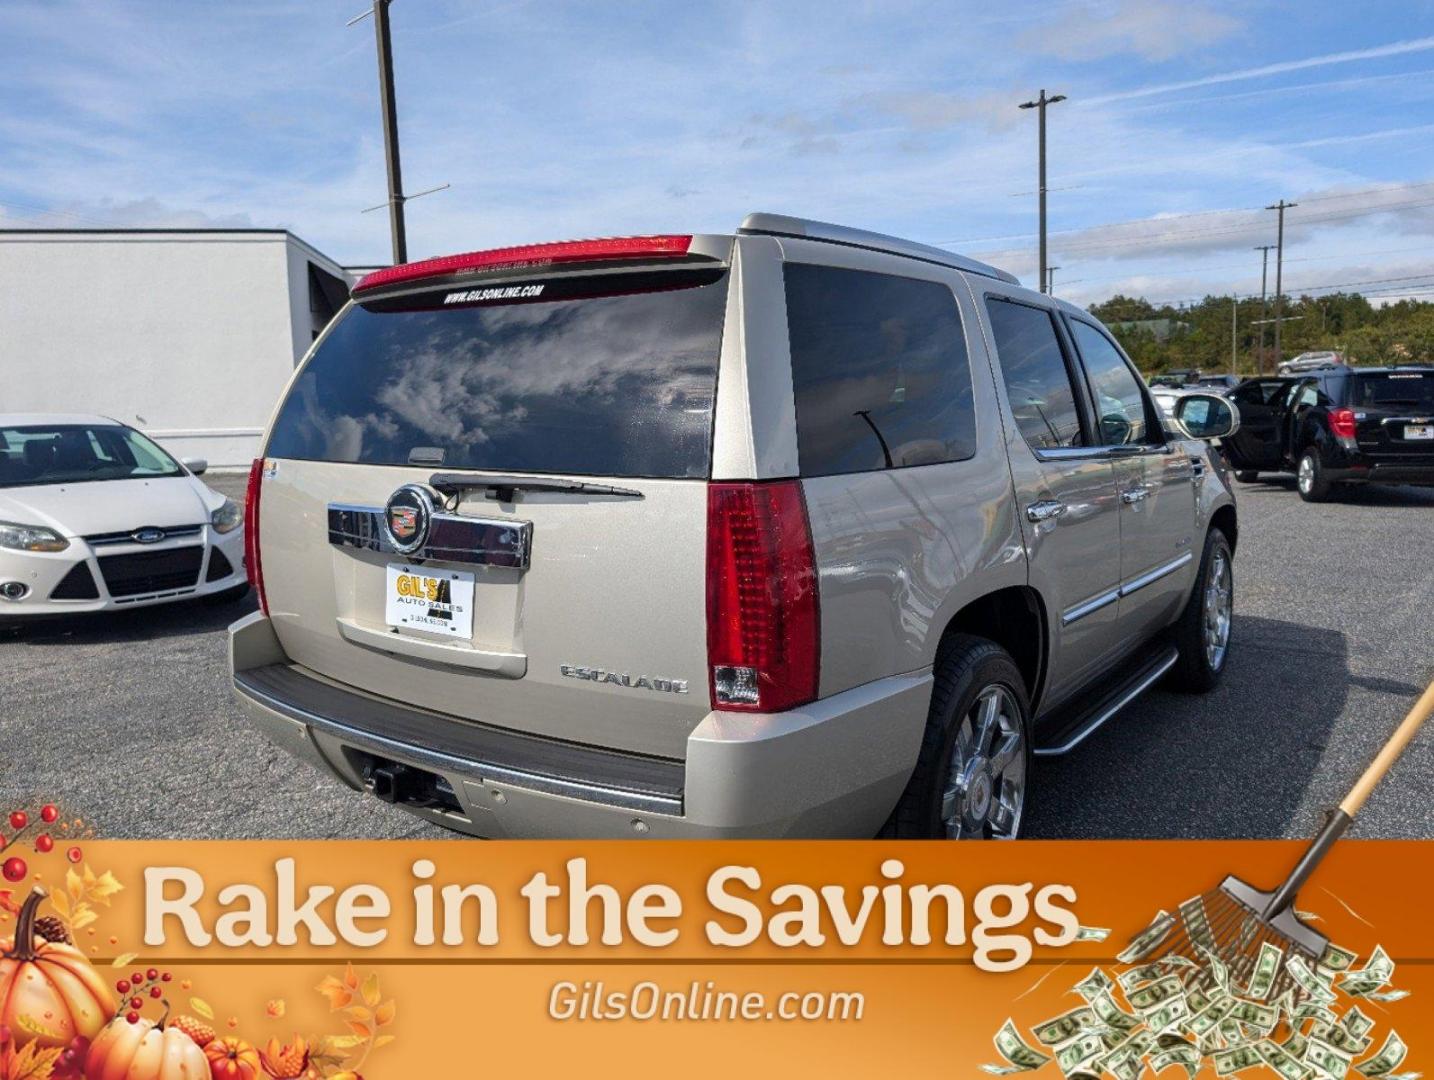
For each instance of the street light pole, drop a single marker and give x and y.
(1264, 305)
(1051, 279)
(1040, 104)
(390, 130)
(1280, 207)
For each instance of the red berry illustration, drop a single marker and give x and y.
(155, 992)
(122, 986)
(19, 819)
(44, 843)
(136, 1003)
(132, 1017)
(152, 974)
(49, 813)
(14, 869)
(137, 978)
(74, 854)
(166, 977)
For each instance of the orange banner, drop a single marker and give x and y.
(449, 958)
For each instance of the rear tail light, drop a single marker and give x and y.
(763, 627)
(536, 255)
(253, 569)
(1341, 423)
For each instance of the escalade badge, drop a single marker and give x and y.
(407, 516)
(622, 678)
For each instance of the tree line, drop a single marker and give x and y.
(1166, 337)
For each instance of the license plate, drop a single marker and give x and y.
(1419, 431)
(440, 602)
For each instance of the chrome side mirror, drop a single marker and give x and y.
(196, 465)
(1207, 416)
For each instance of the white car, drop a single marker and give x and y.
(95, 517)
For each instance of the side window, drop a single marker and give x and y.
(1119, 397)
(879, 371)
(1038, 383)
(1308, 395)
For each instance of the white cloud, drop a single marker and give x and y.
(1154, 30)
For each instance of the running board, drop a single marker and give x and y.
(1072, 724)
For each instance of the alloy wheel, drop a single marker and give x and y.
(985, 793)
(1219, 601)
(1305, 476)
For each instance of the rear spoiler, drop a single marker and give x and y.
(537, 256)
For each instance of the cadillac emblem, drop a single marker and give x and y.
(407, 517)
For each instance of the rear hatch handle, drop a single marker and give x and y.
(502, 488)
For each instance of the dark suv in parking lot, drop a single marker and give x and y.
(1337, 425)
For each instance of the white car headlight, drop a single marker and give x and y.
(227, 518)
(18, 537)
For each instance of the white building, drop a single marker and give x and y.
(188, 335)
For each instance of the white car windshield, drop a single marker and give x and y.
(78, 453)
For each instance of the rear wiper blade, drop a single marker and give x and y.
(503, 487)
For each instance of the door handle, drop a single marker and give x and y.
(1134, 495)
(1197, 468)
(1045, 510)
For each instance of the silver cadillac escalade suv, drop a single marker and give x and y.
(802, 531)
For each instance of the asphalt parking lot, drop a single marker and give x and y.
(128, 720)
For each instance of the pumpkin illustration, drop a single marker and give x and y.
(145, 1050)
(49, 994)
(232, 1058)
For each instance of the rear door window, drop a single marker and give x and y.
(598, 376)
(1121, 412)
(879, 371)
(1038, 381)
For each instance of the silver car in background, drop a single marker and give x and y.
(802, 531)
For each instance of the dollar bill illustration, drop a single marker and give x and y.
(1187, 1056)
(1391, 1055)
(1112, 1015)
(1020, 1056)
(1067, 1026)
(1336, 959)
(1168, 1015)
(1263, 1017)
(1329, 1060)
(1235, 1059)
(1094, 984)
(1151, 996)
(1092, 933)
(1209, 1018)
(1267, 966)
(1149, 939)
(1282, 1061)
(1197, 923)
(1075, 1054)
(1308, 981)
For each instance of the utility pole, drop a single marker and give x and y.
(1265, 250)
(390, 130)
(1280, 207)
(1051, 279)
(1234, 317)
(1040, 103)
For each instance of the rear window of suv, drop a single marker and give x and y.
(586, 383)
(879, 371)
(1412, 390)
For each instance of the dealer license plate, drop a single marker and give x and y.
(1419, 431)
(440, 602)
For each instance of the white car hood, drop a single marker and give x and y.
(110, 505)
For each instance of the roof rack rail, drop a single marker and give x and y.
(781, 225)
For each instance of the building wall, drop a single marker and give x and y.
(190, 337)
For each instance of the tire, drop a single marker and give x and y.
(1310, 480)
(228, 596)
(1201, 664)
(1246, 476)
(970, 671)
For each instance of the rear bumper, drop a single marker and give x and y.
(832, 769)
(1361, 470)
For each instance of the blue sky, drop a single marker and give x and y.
(559, 120)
